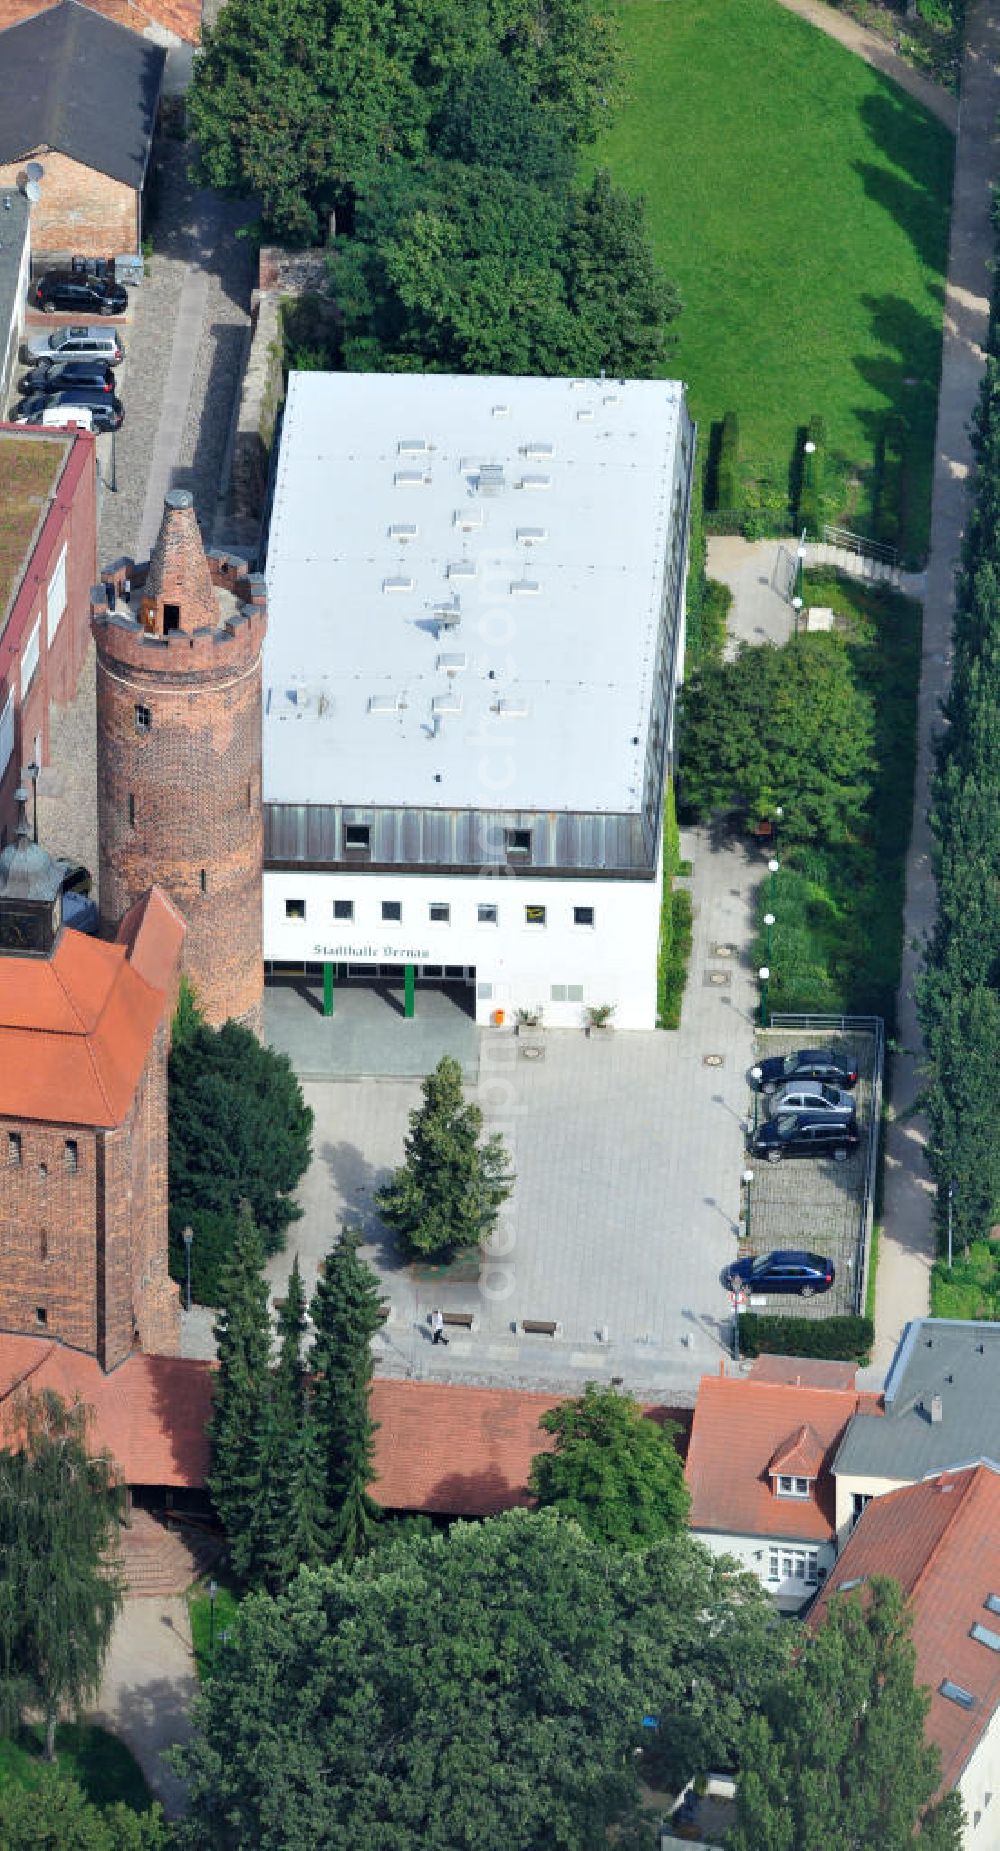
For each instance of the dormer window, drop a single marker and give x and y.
(792, 1487)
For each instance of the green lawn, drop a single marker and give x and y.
(200, 1608)
(97, 1761)
(800, 201)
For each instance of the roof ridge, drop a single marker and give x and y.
(57, 974)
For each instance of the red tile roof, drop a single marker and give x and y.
(803, 1372)
(801, 1454)
(76, 1027)
(739, 1428)
(941, 1541)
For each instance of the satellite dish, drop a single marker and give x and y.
(33, 191)
(35, 171)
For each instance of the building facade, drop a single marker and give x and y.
(477, 598)
(15, 270)
(83, 1142)
(179, 755)
(48, 491)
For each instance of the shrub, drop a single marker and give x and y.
(673, 962)
(847, 1338)
(727, 471)
(810, 495)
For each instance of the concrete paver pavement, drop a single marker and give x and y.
(148, 1687)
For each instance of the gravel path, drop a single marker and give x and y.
(185, 355)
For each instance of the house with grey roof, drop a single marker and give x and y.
(79, 95)
(941, 1413)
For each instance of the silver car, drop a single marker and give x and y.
(814, 1096)
(69, 343)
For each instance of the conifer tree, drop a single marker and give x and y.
(346, 1312)
(240, 1427)
(448, 1191)
(295, 1502)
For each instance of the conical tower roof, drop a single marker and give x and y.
(178, 584)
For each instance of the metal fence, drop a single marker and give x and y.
(860, 543)
(874, 1026)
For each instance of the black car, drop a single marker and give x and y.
(61, 375)
(805, 1134)
(80, 295)
(806, 1064)
(106, 411)
(787, 1269)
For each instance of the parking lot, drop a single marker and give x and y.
(811, 1203)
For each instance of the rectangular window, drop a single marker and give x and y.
(583, 915)
(295, 909)
(792, 1487)
(440, 912)
(392, 912)
(55, 601)
(41, 1315)
(517, 843)
(487, 915)
(484, 991)
(557, 993)
(534, 915)
(858, 1501)
(7, 732)
(143, 718)
(131, 810)
(72, 1150)
(357, 838)
(29, 660)
(14, 1149)
(773, 1573)
(203, 880)
(343, 909)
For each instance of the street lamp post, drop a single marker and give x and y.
(213, 1589)
(769, 921)
(772, 868)
(187, 1236)
(747, 1180)
(764, 974)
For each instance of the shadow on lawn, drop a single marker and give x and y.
(915, 189)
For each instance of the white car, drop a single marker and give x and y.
(65, 343)
(814, 1096)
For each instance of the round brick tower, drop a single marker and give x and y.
(179, 754)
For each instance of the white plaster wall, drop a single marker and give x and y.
(614, 960)
(979, 1787)
(752, 1552)
(865, 1487)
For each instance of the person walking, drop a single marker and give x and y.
(437, 1328)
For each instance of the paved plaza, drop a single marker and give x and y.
(368, 1031)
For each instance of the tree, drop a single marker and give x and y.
(295, 1509)
(238, 1130)
(240, 1427)
(451, 1187)
(477, 1688)
(837, 1755)
(59, 1593)
(613, 1469)
(614, 287)
(775, 720)
(346, 1312)
(489, 119)
(54, 1814)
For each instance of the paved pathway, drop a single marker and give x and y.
(880, 55)
(148, 1688)
(908, 1240)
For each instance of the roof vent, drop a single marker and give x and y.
(585, 415)
(446, 704)
(452, 661)
(413, 446)
(397, 581)
(537, 451)
(469, 519)
(491, 479)
(299, 697)
(448, 616)
(936, 1410)
(611, 398)
(512, 707)
(462, 568)
(501, 411)
(532, 536)
(384, 703)
(525, 587)
(403, 530)
(536, 480)
(410, 478)
(957, 1693)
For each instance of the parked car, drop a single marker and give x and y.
(805, 1134)
(63, 343)
(67, 289)
(814, 1096)
(60, 375)
(807, 1064)
(787, 1269)
(106, 412)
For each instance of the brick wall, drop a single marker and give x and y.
(47, 1220)
(181, 17)
(80, 210)
(180, 803)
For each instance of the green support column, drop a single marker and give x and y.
(409, 989)
(328, 989)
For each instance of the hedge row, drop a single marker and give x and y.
(846, 1339)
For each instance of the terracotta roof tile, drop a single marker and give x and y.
(941, 1541)
(152, 932)
(803, 1371)
(739, 1426)
(802, 1454)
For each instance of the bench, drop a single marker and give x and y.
(540, 1327)
(464, 1320)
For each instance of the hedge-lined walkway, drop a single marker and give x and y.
(908, 1241)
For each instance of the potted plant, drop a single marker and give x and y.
(528, 1018)
(599, 1018)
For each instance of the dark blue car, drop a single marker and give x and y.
(787, 1269)
(806, 1064)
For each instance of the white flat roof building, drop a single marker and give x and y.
(475, 594)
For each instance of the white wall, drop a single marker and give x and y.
(752, 1553)
(613, 961)
(846, 1486)
(979, 1787)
